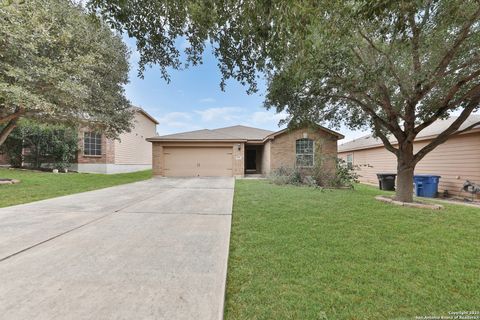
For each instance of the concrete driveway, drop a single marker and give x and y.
(154, 249)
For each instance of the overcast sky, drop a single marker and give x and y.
(193, 99)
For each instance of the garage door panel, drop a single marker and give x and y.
(198, 161)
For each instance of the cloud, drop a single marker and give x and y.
(175, 119)
(267, 117)
(207, 100)
(223, 114)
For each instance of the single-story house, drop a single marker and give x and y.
(131, 152)
(98, 154)
(239, 150)
(456, 160)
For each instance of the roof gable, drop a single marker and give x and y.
(145, 113)
(317, 127)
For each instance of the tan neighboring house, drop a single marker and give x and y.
(239, 150)
(456, 161)
(131, 152)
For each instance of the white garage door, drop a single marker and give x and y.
(198, 161)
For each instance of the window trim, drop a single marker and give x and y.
(99, 145)
(303, 154)
(349, 163)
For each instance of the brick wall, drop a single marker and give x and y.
(239, 160)
(108, 151)
(282, 147)
(157, 159)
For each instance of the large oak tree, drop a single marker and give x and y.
(59, 64)
(394, 66)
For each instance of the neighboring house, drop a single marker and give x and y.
(456, 161)
(131, 152)
(239, 150)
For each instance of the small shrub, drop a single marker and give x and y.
(342, 176)
(284, 175)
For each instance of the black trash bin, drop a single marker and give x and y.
(386, 181)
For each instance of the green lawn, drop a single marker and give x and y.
(300, 253)
(37, 185)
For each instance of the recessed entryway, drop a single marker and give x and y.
(253, 159)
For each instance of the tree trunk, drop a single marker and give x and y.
(7, 130)
(404, 190)
(405, 169)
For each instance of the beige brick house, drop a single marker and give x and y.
(239, 150)
(131, 152)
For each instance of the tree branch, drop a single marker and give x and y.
(445, 105)
(18, 112)
(7, 130)
(439, 71)
(385, 140)
(450, 131)
(389, 63)
(415, 47)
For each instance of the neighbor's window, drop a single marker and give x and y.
(350, 161)
(304, 152)
(92, 144)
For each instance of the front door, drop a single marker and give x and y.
(251, 164)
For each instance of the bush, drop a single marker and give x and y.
(342, 176)
(37, 145)
(284, 175)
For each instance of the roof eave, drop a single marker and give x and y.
(194, 140)
(377, 145)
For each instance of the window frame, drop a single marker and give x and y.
(349, 162)
(303, 154)
(96, 144)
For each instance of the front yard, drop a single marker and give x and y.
(300, 253)
(37, 185)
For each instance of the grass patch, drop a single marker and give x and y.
(303, 253)
(36, 185)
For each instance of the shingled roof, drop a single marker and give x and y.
(233, 133)
(431, 131)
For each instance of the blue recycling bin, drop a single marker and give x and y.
(426, 185)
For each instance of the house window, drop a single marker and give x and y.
(92, 144)
(304, 152)
(350, 161)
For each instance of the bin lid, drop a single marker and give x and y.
(426, 176)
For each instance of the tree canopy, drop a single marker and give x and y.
(59, 64)
(394, 66)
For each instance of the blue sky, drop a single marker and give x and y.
(193, 99)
